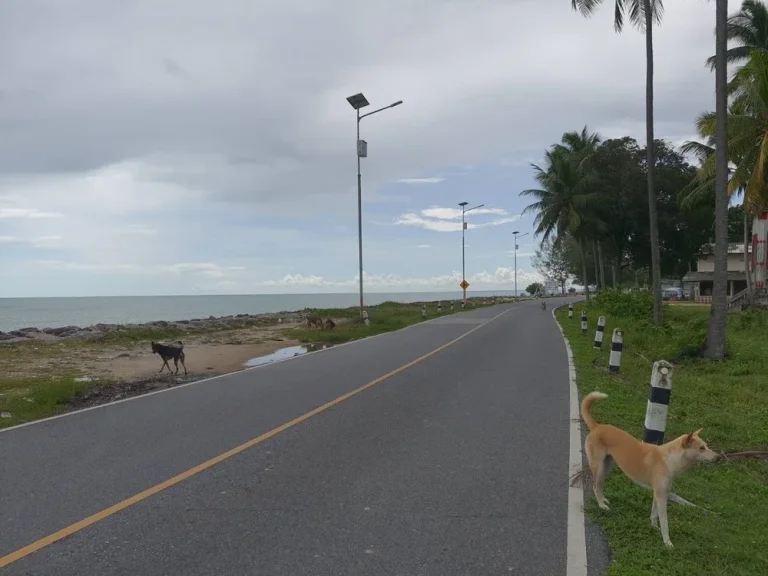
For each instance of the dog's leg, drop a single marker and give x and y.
(181, 357)
(600, 476)
(597, 461)
(165, 363)
(660, 496)
(608, 463)
(654, 514)
(176, 363)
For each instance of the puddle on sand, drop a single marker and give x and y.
(284, 353)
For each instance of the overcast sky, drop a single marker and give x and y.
(157, 147)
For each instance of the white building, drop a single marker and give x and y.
(699, 283)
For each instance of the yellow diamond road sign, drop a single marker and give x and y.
(464, 285)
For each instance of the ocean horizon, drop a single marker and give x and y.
(52, 312)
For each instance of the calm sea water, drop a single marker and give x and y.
(18, 313)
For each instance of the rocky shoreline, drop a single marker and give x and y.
(192, 325)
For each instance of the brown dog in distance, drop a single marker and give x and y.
(314, 321)
(175, 353)
(330, 325)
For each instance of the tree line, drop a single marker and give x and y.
(615, 212)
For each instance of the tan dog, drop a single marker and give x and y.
(330, 325)
(647, 465)
(314, 321)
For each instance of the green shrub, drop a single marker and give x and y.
(635, 304)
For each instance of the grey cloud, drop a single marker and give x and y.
(246, 99)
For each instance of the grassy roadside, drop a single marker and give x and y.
(729, 400)
(40, 378)
(384, 317)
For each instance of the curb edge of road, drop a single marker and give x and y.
(576, 549)
(225, 375)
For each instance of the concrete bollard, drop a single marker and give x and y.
(617, 346)
(599, 333)
(570, 310)
(423, 310)
(462, 305)
(658, 403)
(451, 307)
(583, 321)
(439, 307)
(366, 321)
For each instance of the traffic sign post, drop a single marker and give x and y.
(464, 285)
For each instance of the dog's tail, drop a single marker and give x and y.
(586, 407)
(181, 344)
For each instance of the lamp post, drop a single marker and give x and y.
(359, 101)
(464, 284)
(515, 234)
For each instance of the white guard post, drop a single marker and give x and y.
(617, 347)
(658, 403)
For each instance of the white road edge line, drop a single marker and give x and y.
(576, 550)
(226, 375)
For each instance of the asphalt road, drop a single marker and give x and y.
(457, 464)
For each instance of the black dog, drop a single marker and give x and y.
(170, 352)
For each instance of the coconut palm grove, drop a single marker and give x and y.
(617, 212)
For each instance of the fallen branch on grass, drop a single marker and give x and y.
(759, 454)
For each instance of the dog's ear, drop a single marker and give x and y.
(698, 432)
(688, 440)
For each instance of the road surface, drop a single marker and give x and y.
(448, 455)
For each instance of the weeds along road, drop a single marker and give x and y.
(440, 449)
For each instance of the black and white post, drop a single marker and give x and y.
(439, 307)
(583, 321)
(423, 310)
(599, 333)
(658, 403)
(570, 310)
(366, 320)
(451, 307)
(617, 347)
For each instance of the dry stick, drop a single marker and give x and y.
(747, 454)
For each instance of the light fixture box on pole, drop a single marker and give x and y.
(362, 149)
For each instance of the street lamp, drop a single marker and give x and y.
(359, 101)
(464, 284)
(515, 234)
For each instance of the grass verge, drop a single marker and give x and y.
(384, 317)
(727, 399)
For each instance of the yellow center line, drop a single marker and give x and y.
(115, 508)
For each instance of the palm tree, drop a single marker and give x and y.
(563, 201)
(714, 346)
(642, 13)
(581, 148)
(748, 28)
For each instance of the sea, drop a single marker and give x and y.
(16, 313)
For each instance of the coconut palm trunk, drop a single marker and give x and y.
(658, 313)
(584, 269)
(596, 265)
(747, 272)
(602, 264)
(715, 343)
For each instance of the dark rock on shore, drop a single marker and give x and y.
(212, 322)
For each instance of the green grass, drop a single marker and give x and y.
(384, 317)
(728, 399)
